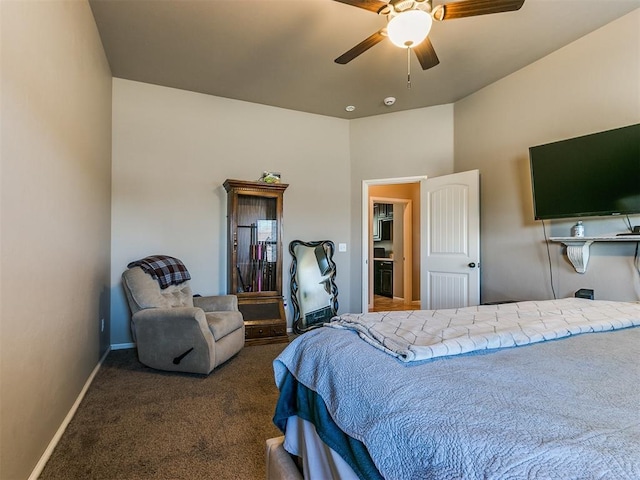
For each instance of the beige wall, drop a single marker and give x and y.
(172, 151)
(55, 203)
(402, 144)
(591, 85)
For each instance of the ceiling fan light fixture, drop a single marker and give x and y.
(409, 28)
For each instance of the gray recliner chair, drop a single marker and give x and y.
(178, 332)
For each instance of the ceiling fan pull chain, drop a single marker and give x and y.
(408, 68)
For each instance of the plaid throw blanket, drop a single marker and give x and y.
(166, 270)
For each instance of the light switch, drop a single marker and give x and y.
(342, 247)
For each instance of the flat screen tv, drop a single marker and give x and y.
(592, 175)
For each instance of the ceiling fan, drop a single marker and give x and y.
(409, 23)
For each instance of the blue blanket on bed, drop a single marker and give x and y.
(564, 409)
(296, 399)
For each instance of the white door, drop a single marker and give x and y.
(450, 241)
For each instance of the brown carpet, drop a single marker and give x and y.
(139, 423)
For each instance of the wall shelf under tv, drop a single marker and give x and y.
(578, 247)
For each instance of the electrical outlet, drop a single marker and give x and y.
(102, 324)
(342, 247)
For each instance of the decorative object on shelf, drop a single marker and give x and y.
(578, 230)
(270, 177)
(314, 294)
(254, 257)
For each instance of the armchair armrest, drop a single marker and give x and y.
(163, 335)
(217, 303)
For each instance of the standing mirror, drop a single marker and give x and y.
(314, 294)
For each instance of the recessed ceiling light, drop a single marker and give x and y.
(349, 108)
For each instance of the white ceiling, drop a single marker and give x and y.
(281, 52)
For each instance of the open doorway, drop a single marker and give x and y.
(445, 240)
(392, 247)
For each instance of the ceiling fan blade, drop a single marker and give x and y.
(360, 48)
(372, 5)
(471, 8)
(426, 54)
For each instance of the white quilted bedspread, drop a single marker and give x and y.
(424, 334)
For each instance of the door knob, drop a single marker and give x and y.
(472, 265)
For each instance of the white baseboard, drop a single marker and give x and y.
(65, 423)
(122, 346)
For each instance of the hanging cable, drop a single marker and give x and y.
(408, 67)
(629, 223)
(544, 230)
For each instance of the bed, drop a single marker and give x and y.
(543, 390)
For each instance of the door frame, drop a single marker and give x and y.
(367, 241)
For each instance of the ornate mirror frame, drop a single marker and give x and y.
(314, 294)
